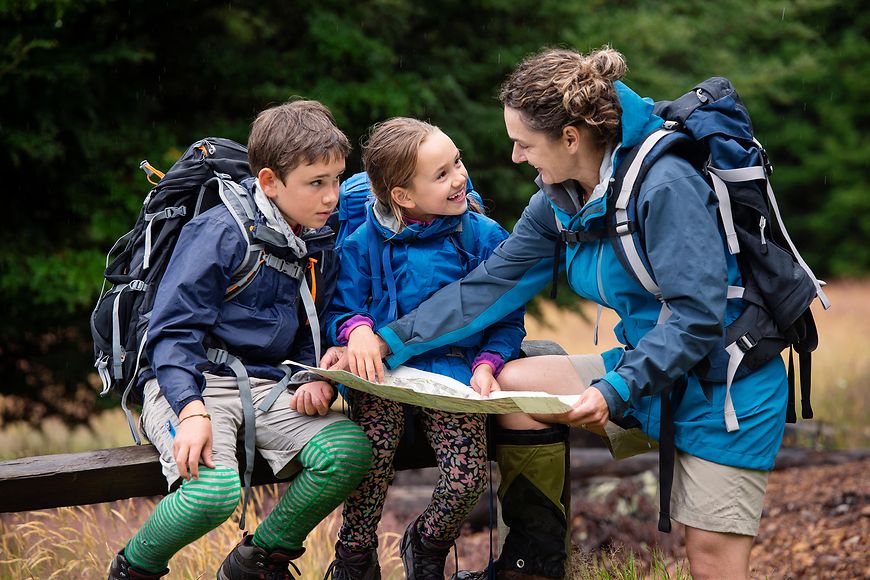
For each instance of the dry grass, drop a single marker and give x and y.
(79, 542)
(841, 367)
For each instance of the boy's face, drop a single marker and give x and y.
(308, 193)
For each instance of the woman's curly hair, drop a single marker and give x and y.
(559, 87)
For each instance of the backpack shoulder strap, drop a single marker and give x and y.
(241, 206)
(623, 223)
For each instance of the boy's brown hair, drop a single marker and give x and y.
(299, 131)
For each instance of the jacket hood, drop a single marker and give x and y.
(638, 119)
(387, 226)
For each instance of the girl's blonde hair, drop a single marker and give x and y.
(559, 87)
(390, 158)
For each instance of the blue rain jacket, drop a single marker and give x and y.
(678, 213)
(423, 259)
(263, 325)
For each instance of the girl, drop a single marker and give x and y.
(420, 219)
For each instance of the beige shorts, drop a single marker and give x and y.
(281, 433)
(705, 495)
(715, 497)
(621, 442)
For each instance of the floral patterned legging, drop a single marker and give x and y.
(459, 441)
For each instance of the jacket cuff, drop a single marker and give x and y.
(616, 393)
(181, 404)
(492, 359)
(350, 324)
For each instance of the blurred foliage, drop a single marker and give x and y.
(89, 88)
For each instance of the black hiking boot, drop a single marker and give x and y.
(353, 565)
(423, 558)
(250, 562)
(121, 569)
(498, 575)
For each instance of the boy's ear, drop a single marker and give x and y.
(402, 197)
(268, 182)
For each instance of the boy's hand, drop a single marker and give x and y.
(482, 380)
(589, 412)
(332, 355)
(363, 354)
(312, 398)
(193, 441)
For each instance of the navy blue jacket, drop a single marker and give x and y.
(263, 325)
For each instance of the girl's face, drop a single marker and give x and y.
(574, 155)
(438, 186)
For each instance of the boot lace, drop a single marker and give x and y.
(349, 568)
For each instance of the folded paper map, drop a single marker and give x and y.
(424, 389)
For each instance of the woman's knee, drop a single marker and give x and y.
(717, 554)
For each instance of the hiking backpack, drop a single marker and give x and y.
(355, 196)
(207, 174)
(711, 128)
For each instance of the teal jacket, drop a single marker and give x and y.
(693, 269)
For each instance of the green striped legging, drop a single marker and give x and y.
(333, 462)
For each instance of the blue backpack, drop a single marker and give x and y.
(355, 196)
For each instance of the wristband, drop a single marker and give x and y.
(206, 415)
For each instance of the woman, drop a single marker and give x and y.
(571, 118)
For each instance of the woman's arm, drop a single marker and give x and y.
(515, 272)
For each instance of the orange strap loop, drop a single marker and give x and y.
(151, 171)
(311, 262)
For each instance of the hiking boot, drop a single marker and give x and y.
(423, 558)
(498, 575)
(250, 562)
(353, 565)
(534, 502)
(121, 569)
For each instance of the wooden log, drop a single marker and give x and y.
(68, 479)
(51, 481)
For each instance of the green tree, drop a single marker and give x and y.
(89, 88)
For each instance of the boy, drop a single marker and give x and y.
(196, 397)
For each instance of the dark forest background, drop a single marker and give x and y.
(89, 88)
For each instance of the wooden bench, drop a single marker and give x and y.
(70, 479)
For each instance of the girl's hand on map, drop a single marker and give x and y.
(364, 354)
(482, 380)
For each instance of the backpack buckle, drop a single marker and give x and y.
(217, 355)
(768, 166)
(138, 285)
(172, 212)
(746, 342)
(624, 228)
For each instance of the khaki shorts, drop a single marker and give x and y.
(715, 497)
(705, 495)
(281, 433)
(621, 442)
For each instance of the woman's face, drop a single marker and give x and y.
(573, 156)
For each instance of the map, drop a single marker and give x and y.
(425, 389)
